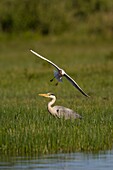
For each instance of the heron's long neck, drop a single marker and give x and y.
(52, 102)
(50, 108)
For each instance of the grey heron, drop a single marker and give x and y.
(60, 111)
(59, 73)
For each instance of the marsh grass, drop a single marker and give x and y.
(26, 127)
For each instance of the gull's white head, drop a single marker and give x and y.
(62, 72)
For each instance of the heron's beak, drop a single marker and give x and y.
(44, 95)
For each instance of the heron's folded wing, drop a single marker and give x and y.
(75, 84)
(66, 113)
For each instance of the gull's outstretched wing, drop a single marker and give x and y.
(75, 84)
(45, 59)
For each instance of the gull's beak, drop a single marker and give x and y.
(44, 95)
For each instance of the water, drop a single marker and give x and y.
(72, 161)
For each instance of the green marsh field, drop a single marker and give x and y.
(26, 127)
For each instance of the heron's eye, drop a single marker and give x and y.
(52, 94)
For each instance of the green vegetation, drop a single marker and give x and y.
(79, 39)
(26, 127)
(56, 17)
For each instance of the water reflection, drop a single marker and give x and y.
(72, 161)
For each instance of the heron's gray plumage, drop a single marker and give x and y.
(63, 112)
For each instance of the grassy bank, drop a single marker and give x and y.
(26, 127)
